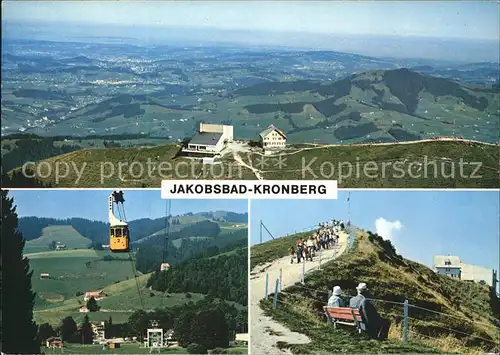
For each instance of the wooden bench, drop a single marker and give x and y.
(345, 316)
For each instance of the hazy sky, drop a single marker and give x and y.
(477, 19)
(93, 204)
(419, 223)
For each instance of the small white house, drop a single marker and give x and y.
(453, 267)
(448, 265)
(272, 138)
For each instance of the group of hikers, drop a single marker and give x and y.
(375, 326)
(325, 237)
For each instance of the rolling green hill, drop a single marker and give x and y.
(375, 105)
(66, 235)
(382, 105)
(388, 165)
(177, 223)
(141, 229)
(445, 315)
(123, 299)
(73, 272)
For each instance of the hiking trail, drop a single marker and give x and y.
(265, 333)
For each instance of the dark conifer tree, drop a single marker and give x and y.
(86, 331)
(92, 305)
(69, 330)
(17, 298)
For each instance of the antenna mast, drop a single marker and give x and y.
(349, 208)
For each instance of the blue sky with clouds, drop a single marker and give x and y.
(419, 223)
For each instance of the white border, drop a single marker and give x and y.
(222, 198)
(249, 303)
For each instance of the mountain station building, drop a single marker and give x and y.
(209, 140)
(453, 267)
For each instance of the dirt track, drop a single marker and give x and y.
(265, 332)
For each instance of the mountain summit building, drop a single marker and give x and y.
(209, 140)
(272, 138)
(453, 267)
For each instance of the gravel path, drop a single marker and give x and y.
(264, 331)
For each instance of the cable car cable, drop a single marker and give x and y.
(137, 283)
(116, 197)
(165, 240)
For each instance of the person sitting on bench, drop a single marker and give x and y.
(335, 300)
(377, 327)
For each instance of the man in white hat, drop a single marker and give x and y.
(377, 327)
(335, 300)
(360, 299)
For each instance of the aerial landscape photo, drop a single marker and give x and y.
(220, 89)
(97, 271)
(376, 272)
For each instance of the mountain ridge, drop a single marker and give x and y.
(445, 314)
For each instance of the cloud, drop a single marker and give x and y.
(387, 229)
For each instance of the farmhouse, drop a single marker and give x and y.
(272, 138)
(54, 342)
(60, 247)
(164, 266)
(83, 309)
(98, 295)
(209, 140)
(453, 267)
(44, 276)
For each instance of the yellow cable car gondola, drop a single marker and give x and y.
(119, 239)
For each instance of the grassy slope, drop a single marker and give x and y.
(93, 160)
(274, 249)
(385, 155)
(122, 300)
(486, 154)
(226, 228)
(184, 221)
(63, 234)
(392, 278)
(69, 273)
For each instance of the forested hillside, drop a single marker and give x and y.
(223, 276)
(149, 256)
(31, 227)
